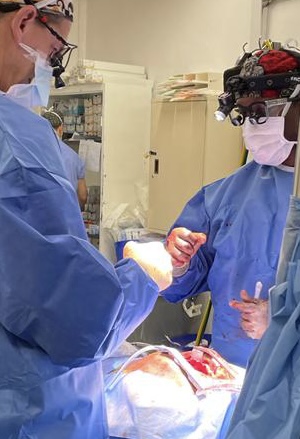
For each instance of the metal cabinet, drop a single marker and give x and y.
(125, 140)
(189, 149)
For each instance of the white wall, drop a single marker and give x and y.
(168, 36)
(175, 36)
(283, 20)
(78, 31)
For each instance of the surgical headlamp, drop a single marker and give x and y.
(226, 105)
(236, 87)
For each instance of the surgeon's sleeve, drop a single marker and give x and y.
(57, 292)
(140, 294)
(80, 168)
(195, 218)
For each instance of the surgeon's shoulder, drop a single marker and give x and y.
(243, 173)
(14, 114)
(21, 125)
(240, 179)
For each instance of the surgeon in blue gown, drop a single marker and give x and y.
(74, 166)
(63, 306)
(228, 236)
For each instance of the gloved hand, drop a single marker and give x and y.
(182, 244)
(154, 259)
(254, 314)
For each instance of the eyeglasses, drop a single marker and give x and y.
(257, 112)
(56, 59)
(67, 47)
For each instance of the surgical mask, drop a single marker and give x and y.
(266, 142)
(37, 92)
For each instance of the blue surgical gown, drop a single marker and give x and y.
(73, 165)
(269, 404)
(243, 216)
(63, 306)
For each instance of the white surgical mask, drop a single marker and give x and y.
(266, 142)
(37, 92)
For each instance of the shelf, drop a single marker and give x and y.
(78, 89)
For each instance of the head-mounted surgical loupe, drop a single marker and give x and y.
(270, 75)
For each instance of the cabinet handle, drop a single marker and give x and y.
(150, 153)
(156, 166)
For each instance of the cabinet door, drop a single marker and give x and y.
(126, 132)
(126, 139)
(176, 159)
(189, 149)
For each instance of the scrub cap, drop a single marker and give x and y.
(64, 7)
(54, 117)
(270, 62)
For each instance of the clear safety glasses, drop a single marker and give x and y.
(258, 112)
